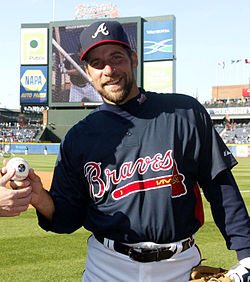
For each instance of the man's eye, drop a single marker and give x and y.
(97, 64)
(116, 59)
(100, 64)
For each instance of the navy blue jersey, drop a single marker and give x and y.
(132, 172)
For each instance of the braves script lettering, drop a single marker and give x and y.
(101, 28)
(158, 162)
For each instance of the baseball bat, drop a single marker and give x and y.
(67, 57)
(58, 40)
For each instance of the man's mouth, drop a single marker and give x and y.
(112, 82)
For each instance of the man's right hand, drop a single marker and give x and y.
(40, 198)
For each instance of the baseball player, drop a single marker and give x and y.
(80, 89)
(131, 173)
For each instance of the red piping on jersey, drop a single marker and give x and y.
(199, 211)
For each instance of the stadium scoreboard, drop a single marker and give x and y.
(44, 82)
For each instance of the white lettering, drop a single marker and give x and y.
(98, 186)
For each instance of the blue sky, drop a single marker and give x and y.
(207, 32)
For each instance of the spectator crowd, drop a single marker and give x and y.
(234, 133)
(13, 132)
(230, 131)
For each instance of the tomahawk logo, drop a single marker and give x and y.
(174, 181)
(99, 183)
(101, 29)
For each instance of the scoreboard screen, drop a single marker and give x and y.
(71, 88)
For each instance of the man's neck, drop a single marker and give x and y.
(133, 93)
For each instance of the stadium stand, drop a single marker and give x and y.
(27, 126)
(16, 133)
(237, 133)
(18, 127)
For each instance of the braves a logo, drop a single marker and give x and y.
(158, 162)
(101, 29)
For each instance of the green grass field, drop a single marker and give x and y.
(27, 253)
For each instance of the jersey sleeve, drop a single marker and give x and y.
(221, 190)
(68, 193)
(229, 212)
(214, 156)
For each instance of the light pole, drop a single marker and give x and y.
(53, 9)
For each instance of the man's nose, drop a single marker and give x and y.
(108, 69)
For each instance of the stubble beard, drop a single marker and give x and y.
(117, 95)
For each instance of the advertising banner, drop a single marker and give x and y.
(158, 76)
(33, 85)
(246, 92)
(34, 46)
(158, 41)
(229, 111)
(105, 10)
(242, 151)
(33, 148)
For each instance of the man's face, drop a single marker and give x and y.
(110, 69)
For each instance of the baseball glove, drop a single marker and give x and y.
(204, 273)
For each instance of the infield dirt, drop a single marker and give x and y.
(46, 178)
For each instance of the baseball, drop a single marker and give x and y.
(21, 166)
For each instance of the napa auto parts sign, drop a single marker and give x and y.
(33, 84)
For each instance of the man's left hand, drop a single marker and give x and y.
(241, 271)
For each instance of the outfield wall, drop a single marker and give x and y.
(31, 148)
(238, 150)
